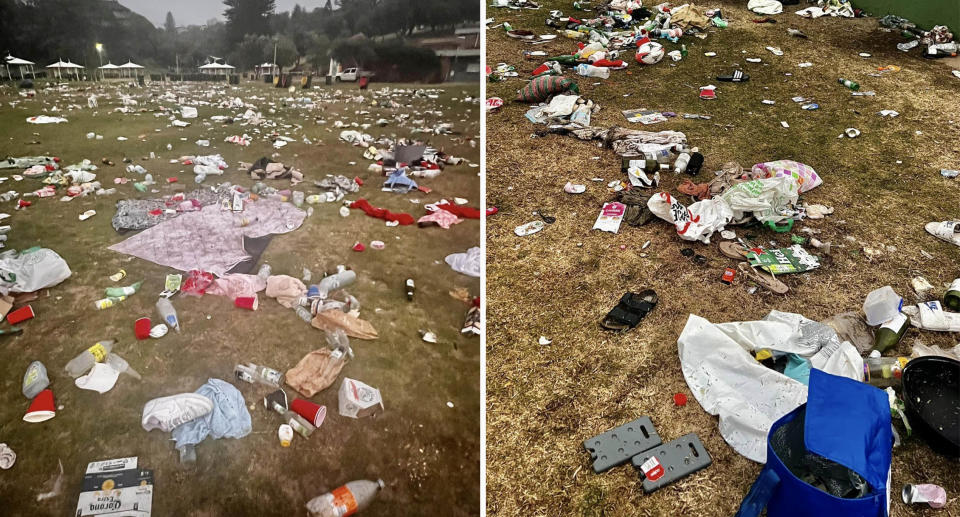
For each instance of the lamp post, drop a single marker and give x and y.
(99, 47)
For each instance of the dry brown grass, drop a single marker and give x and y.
(543, 401)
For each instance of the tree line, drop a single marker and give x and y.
(47, 30)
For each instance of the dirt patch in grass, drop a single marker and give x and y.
(543, 401)
(426, 452)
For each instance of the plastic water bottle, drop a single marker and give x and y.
(95, 354)
(593, 71)
(849, 84)
(681, 164)
(304, 314)
(168, 313)
(264, 272)
(338, 281)
(254, 373)
(121, 365)
(661, 155)
(346, 500)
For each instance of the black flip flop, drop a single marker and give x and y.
(549, 219)
(736, 77)
(631, 309)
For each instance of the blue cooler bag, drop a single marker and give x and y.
(830, 456)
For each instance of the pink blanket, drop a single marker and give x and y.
(211, 239)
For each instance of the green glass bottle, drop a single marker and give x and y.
(952, 297)
(567, 59)
(890, 333)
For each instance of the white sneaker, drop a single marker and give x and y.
(165, 413)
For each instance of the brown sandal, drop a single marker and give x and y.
(770, 282)
(734, 250)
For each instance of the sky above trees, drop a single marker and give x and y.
(197, 12)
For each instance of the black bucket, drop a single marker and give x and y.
(931, 393)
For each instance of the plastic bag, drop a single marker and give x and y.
(31, 270)
(769, 199)
(696, 223)
(805, 176)
(749, 397)
(196, 283)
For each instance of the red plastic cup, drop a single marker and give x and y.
(141, 328)
(42, 408)
(247, 302)
(21, 314)
(314, 413)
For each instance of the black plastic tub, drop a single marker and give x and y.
(931, 392)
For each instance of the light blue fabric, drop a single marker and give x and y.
(798, 369)
(229, 417)
(398, 179)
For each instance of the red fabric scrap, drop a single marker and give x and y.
(382, 213)
(460, 211)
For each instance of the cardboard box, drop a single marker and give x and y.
(116, 488)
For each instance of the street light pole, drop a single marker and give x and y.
(99, 47)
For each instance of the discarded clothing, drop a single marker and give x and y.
(229, 418)
(441, 218)
(338, 182)
(28, 161)
(381, 213)
(458, 210)
(765, 6)
(467, 263)
(211, 239)
(286, 289)
(540, 88)
(399, 181)
(44, 119)
(266, 169)
(237, 285)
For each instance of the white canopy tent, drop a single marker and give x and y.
(215, 68)
(109, 66)
(59, 66)
(131, 67)
(20, 64)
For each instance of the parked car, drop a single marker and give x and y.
(352, 74)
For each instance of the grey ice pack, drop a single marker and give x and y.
(678, 458)
(618, 445)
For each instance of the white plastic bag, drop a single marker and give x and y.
(31, 270)
(769, 199)
(747, 396)
(696, 223)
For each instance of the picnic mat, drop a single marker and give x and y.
(211, 239)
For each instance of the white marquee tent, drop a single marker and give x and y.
(20, 64)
